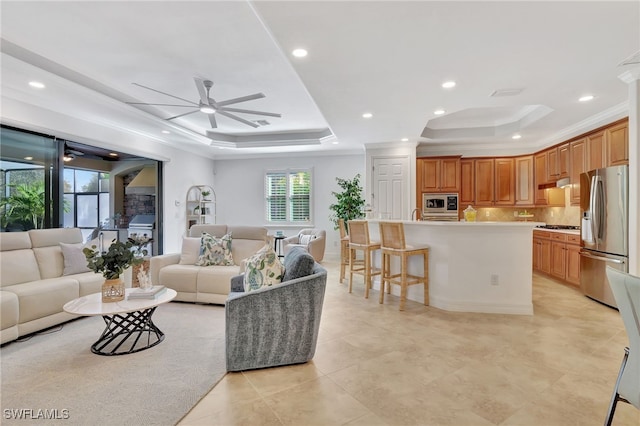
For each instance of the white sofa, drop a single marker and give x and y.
(206, 284)
(33, 289)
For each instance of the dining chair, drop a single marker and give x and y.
(344, 248)
(626, 291)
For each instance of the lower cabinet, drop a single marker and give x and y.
(557, 254)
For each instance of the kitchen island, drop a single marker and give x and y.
(473, 266)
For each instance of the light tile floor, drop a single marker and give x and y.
(375, 365)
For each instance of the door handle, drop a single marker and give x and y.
(602, 259)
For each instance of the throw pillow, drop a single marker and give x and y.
(215, 251)
(297, 263)
(190, 251)
(306, 239)
(263, 269)
(75, 262)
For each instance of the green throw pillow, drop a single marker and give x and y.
(215, 251)
(263, 269)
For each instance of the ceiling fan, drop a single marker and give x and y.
(210, 106)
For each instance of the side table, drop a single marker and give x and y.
(278, 244)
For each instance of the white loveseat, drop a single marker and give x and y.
(33, 288)
(206, 284)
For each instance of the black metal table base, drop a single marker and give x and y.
(128, 333)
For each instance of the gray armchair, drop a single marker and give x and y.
(275, 325)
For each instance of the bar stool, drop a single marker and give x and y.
(393, 244)
(344, 248)
(359, 240)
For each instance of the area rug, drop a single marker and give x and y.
(56, 376)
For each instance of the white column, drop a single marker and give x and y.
(632, 78)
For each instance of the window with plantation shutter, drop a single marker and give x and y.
(288, 196)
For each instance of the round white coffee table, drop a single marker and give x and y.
(129, 327)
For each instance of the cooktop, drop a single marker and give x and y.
(558, 227)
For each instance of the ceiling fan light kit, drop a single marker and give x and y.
(210, 106)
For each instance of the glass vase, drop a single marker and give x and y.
(113, 290)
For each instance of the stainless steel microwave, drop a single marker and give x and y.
(440, 204)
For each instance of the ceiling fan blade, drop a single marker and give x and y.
(212, 120)
(171, 105)
(248, 111)
(201, 90)
(241, 99)
(163, 93)
(235, 117)
(182, 115)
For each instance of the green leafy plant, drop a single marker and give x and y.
(25, 204)
(111, 263)
(349, 203)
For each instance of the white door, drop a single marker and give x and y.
(390, 188)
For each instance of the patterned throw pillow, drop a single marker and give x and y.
(215, 251)
(263, 269)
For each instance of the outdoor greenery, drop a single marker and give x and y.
(25, 205)
(349, 202)
(114, 261)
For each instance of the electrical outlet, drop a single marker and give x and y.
(515, 214)
(551, 213)
(486, 213)
(495, 279)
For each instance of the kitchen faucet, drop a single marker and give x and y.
(418, 216)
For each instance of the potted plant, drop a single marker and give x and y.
(349, 203)
(139, 241)
(205, 194)
(111, 264)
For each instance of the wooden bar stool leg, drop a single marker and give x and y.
(383, 275)
(367, 273)
(425, 258)
(351, 260)
(403, 281)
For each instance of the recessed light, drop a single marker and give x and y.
(335, 142)
(516, 136)
(36, 84)
(449, 84)
(367, 115)
(404, 139)
(28, 158)
(166, 132)
(439, 112)
(586, 98)
(299, 53)
(113, 154)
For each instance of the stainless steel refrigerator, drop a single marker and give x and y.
(604, 205)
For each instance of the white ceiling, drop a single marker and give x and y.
(388, 58)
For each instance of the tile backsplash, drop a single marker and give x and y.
(568, 215)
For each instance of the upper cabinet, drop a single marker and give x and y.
(578, 152)
(557, 163)
(596, 150)
(495, 182)
(467, 182)
(438, 174)
(525, 188)
(541, 175)
(617, 144)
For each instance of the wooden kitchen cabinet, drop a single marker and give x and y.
(596, 150)
(505, 188)
(557, 254)
(540, 178)
(467, 182)
(617, 144)
(563, 161)
(438, 174)
(524, 183)
(578, 153)
(495, 182)
(557, 163)
(573, 261)
(485, 179)
(541, 252)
